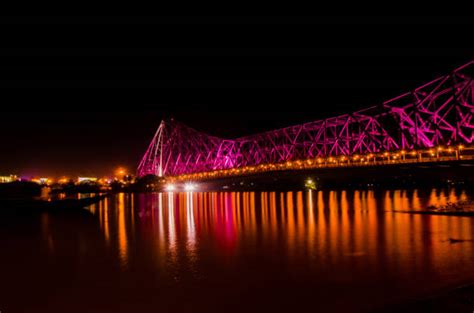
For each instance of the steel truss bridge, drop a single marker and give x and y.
(433, 122)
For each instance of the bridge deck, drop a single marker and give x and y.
(438, 155)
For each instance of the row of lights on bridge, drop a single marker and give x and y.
(300, 164)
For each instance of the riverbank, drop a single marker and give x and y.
(456, 208)
(27, 204)
(437, 213)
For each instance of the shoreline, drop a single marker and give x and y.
(40, 205)
(460, 214)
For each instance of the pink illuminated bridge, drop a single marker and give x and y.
(433, 122)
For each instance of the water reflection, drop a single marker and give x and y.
(122, 230)
(331, 237)
(330, 224)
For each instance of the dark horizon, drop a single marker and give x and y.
(92, 97)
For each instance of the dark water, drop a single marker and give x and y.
(234, 252)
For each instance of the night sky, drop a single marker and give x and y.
(83, 95)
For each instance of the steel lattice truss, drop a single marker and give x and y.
(437, 113)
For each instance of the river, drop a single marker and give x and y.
(323, 251)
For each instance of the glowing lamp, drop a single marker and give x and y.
(310, 184)
(170, 187)
(189, 187)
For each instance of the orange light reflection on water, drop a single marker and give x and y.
(352, 230)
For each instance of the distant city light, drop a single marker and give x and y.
(8, 179)
(121, 171)
(86, 179)
(63, 180)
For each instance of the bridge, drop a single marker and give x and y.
(432, 123)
